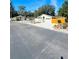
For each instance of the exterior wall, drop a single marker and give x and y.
(62, 21)
(55, 20)
(46, 17)
(58, 22)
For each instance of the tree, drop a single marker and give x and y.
(12, 10)
(35, 13)
(63, 11)
(21, 10)
(46, 9)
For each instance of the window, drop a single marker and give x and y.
(59, 21)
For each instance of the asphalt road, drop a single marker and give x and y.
(29, 42)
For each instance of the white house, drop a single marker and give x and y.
(43, 18)
(47, 17)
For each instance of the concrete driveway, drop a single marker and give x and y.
(30, 42)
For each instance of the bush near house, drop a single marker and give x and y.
(65, 25)
(18, 19)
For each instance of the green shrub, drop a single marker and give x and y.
(17, 19)
(65, 25)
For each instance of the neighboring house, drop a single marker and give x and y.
(18, 18)
(43, 18)
(21, 18)
(13, 19)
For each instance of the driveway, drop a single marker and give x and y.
(30, 42)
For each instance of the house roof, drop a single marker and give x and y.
(44, 15)
(58, 17)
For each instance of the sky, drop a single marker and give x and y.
(32, 5)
